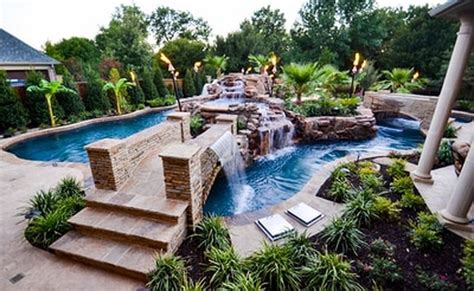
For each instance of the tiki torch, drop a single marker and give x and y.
(174, 74)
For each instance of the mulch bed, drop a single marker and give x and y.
(194, 258)
(444, 262)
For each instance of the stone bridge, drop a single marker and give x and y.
(418, 107)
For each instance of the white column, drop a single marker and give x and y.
(449, 92)
(463, 194)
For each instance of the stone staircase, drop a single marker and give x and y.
(123, 232)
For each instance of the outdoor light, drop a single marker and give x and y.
(356, 69)
(174, 75)
(415, 76)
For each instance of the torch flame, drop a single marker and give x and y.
(165, 58)
(273, 60)
(133, 76)
(416, 76)
(176, 74)
(364, 64)
(248, 70)
(356, 59)
(197, 65)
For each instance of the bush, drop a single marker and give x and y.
(167, 101)
(342, 235)
(149, 87)
(340, 190)
(70, 102)
(361, 208)
(12, 112)
(425, 233)
(402, 185)
(95, 98)
(385, 271)
(169, 274)
(301, 248)
(371, 182)
(158, 80)
(445, 154)
(275, 268)
(197, 124)
(193, 286)
(433, 282)
(198, 83)
(330, 272)
(35, 102)
(211, 233)
(397, 169)
(326, 106)
(468, 263)
(385, 208)
(43, 230)
(466, 105)
(69, 187)
(411, 200)
(381, 248)
(224, 265)
(244, 282)
(188, 84)
(450, 131)
(42, 203)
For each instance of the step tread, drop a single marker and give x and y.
(125, 224)
(159, 205)
(137, 259)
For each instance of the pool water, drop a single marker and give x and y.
(276, 177)
(68, 146)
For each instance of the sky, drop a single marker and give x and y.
(37, 21)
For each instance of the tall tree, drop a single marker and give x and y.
(125, 37)
(270, 24)
(188, 84)
(70, 100)
(167, 24)
(148, 86)
(80, 48)
(12, 112)
(183, 53)
(158, 80)
(94, 98)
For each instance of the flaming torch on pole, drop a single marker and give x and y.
(174, 74)
(274, 61)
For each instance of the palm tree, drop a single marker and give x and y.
(400, 81)
(49, 89)
(219, 63)
(117, 86)
(299, 77)
(259, 62)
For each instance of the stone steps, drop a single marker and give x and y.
(128, 228)
(159, 208)
(123, 258)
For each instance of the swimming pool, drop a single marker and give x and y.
(68, 146)
(276, 177)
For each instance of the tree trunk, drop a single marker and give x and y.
(50, 110)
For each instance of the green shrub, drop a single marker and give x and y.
(425, 233)
(468, 263)
(43, 230)
(12, 112)
(340, 190)
(445, 154)
(372, 182)
(433, 282)
(193, 286)
(42, 203)
(329, 272)
(275, 268)
(135, 94)
(211, 233)
(158, 80)
(244, 282)
(70, 102)
(386, 209)
(411, 200)
(401, 185)
(198, 82)
(361, 208)
(159, 102)
(71, 205)
(342, 235)
(466, 105)
(169, 274)
(188, 84)
(385, 271)
(326, 106)
(224, 265)
(149, 88)
(95, 98)
(69, 187)
(450, 131)
(197, 124)
(397, 169)
(381, 248)
(301, 248)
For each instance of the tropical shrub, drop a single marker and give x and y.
(401, 185)
(468, 263)
(425, 233)
(194, 286)
(301, 248)
(450, 131)
(12, 112)
(42, 203)
(148, 86)
(445, 154)
(361, 208)
(43, 230)
(70, 101)
(211, 233)
(340, 190)
(299, 77)
(188, 84)
(197, 124)
(94, 97)
(169, 274)
(159, 102)
(397, 169)
(342, 235)
(433, 282)
(69, 187)
(158, 80)
(386, 209)
(385, 271)
(325, 106)
(224, 265)
(400, 81)
(117, 85)
(218, 63)
(275, 268)
(244, 282)
(371, 181)
(329, 271)
(411, 200)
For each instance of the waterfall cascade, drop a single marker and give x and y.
(228, 151)
(232, 89)
(275, 131)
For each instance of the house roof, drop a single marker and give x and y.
(452, 8)
(15, 52)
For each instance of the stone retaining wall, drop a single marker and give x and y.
(112, 161)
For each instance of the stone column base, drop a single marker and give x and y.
(427, 179)
(450, 219)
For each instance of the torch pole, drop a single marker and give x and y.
(176, 91)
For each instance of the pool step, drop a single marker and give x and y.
(159, 208)
(123, 258)
(129, 228)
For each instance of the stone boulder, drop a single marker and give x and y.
(460, 151)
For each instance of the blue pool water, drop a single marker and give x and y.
(276, 177)
(69, 146)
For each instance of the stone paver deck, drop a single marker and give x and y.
(42, 270)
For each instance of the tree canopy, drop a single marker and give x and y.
(80, 48)
(183, 53)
